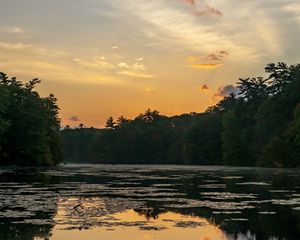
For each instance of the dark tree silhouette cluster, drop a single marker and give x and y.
(29, 125)
(259, 126)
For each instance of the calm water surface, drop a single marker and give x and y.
(149, 202)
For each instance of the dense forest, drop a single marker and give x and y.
(29, 125)
(257, 126)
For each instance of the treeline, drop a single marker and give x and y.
(29, 125)
(259, 126)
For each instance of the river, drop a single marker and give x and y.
(116, 202)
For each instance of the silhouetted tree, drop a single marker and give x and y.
(203, 141)
(110, 124)
(29, 124)
(122, 121)
(257, 126)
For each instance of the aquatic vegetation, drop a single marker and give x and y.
(101, 197)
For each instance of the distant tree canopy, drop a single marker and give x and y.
(258, 126)
(29, 125)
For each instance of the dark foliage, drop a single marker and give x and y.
(259, 126)
(29, 125)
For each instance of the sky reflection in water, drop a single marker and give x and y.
(123, 202)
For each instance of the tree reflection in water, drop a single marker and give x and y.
(239, 203)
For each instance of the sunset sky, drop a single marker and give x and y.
(106, 58)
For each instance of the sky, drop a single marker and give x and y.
(106, 58)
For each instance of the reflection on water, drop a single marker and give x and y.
(149, 202)
(131, 224)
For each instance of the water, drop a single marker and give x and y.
(149, 202)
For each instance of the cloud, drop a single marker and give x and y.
(123, 68)
(218, 56)
(11, 30)
(293, 8)
(139, 59)
(94, 62)
(206, 10)
(135, 74)
(74, 119)
(15, 46)
(191, 2)
(149, 90)
(123, 65)
(138, 66)
(225, 91)
(204, 87)
(212, 60)
(55, 65)
(171, 25)
(213, 57)
(114, 47)
(206, 65)
(30, 49)
(135, 66)
(224, 53)
(133, 70)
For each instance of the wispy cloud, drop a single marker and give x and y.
(123, 65)
(30, 49)
(148, 90)
(204, 87)
(54, 64)
(217, 56)
(135, 74)
(135, 66)
(138, 66)
(225, 91)
(139, 59)
(203, 9)
(94, 62)
(206, 65)
(74, 119)
(191, 2)
(293, 8)
(11, 30)
(173, 26)
(15, 46)
(212, 60)
(133, 70)
(208, 11)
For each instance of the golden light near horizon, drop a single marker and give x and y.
(111, 58)
(161, 227)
